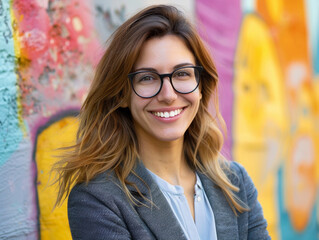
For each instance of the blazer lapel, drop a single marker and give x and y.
(225, 219)
(158, 216)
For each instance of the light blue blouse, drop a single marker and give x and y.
(204, 226)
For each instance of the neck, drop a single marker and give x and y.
(165, 159)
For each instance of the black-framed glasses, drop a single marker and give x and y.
(147, 84)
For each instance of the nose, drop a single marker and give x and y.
(167, 93)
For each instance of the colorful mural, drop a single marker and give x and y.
(48, 50)
(47, 53)
(273, 81)
(267, 56)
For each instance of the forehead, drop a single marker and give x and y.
(164, 53)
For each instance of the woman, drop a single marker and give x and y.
(147, 162)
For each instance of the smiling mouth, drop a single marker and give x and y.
(168, 114)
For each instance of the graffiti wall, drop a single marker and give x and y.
(267, 56)
(48, 50)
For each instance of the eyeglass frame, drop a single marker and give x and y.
(164, 75)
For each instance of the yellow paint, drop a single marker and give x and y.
(16, 45)
(260, 120)
(316, 100)
(54, 224)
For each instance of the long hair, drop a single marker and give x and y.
(106, 139)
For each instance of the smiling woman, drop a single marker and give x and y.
(147, 162)
(164, 100)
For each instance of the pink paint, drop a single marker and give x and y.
(47, 35)
(219, 24)
(72, 31)
(54, 42)
(33, 27)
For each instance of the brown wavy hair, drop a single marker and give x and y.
(106, 139)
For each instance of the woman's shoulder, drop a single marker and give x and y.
(236, 167)
(240, 178)
(102, 186)
(237, 172)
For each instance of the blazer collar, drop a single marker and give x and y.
(167, 225)
(225, 219)
(157, 216)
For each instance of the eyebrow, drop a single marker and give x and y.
(154, 70)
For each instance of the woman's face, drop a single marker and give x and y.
(166, 116)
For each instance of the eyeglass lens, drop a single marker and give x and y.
(148, 84)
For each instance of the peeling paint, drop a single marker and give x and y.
(56, 44)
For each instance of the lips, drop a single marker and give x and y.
(167, 114)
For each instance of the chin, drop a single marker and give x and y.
(170, 137)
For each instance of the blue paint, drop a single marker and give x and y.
(306, 111)
(312, 13)
(10, 133)
(286, 229)
(18, 212)
(248, 6)
(316, 55)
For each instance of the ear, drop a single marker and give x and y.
(124, 104)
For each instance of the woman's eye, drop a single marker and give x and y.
(146, 78)
(183, 74)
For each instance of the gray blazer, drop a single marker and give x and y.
(101, 210)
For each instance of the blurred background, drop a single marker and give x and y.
(267, 56)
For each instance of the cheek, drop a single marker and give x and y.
(137, 105)
(195, 97)
(198, 101)
(195, 100)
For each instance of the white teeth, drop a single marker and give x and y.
(168, 114)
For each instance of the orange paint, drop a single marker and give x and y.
(289, 31)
